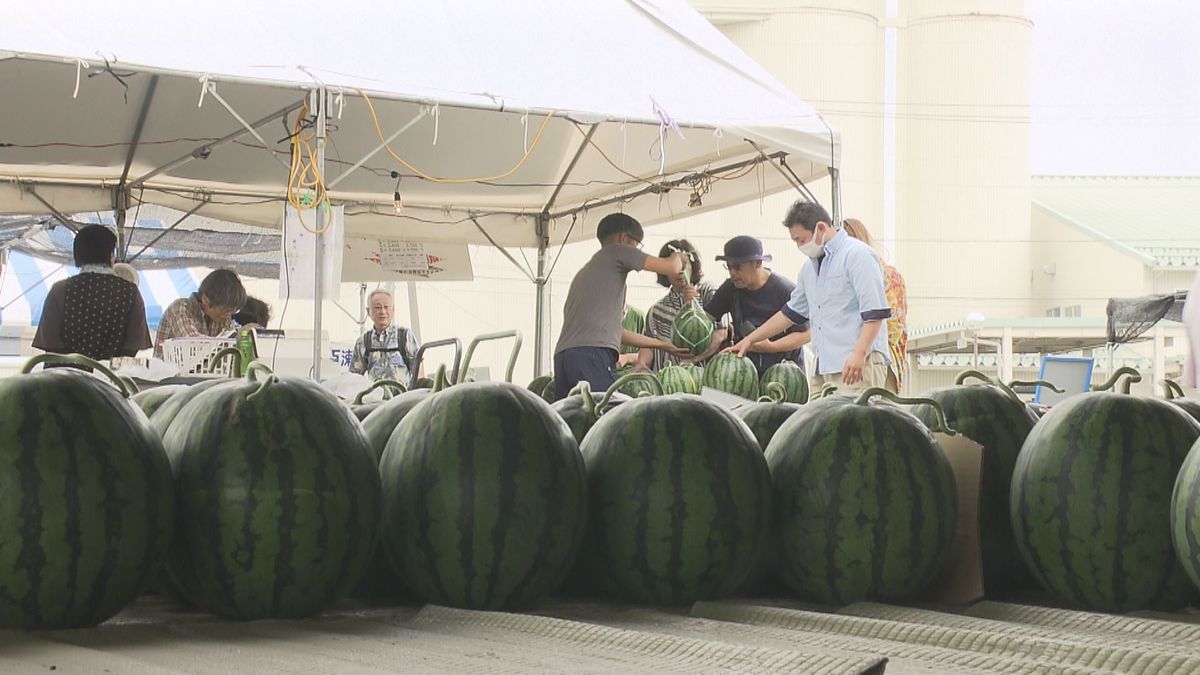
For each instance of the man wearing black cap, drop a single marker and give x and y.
(95, 313)
(591, 332)
(750, 296)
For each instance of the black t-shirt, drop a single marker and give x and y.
(755, 308)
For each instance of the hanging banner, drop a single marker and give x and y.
(377, 259)
(297, 274)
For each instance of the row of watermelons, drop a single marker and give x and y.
(265, 496)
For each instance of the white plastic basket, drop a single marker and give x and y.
(191, 354)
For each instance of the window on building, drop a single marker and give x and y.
(1054, 312)
(1073, 311)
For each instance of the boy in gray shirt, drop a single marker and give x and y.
(591, 334)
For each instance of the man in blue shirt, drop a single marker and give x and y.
(840, 293)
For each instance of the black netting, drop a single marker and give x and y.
(1129, 318)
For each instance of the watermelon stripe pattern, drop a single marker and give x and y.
(1185, 515)
(484, 495)
(732, 374)
(679, 496)
(278, 511)
(86, 505)
(1091, 494)
(677, 380)
(791, 377)
(865, 503)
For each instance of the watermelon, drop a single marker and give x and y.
(678, 380)
(1185, 515)
(543, 386)
(732, 374)
(390, 387)
(582, 408)
(484, 497)
(692, 329)
(1091, 494)
(151, 399)
(678, 496)
(168, 410)
(1174, 393)
(695, 370)
(865, 501)
(993, 416)
(278, 498)
(639, 386)
(791, 377)
(86, 501)
(765, 418)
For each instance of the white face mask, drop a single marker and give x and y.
(812, 249)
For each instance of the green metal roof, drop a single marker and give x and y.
(1153, 218)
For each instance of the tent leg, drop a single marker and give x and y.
(541, 339)
(835, 186)
(319, 257)
(414, 311)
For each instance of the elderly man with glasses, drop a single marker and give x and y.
(386, 352)
(751, 296)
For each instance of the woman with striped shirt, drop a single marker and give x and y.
(660, 320)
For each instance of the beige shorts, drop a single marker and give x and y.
(875, 374)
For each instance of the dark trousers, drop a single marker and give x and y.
(596, 365)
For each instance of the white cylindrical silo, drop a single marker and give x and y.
(963, 195)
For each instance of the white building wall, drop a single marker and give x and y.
(963, 235)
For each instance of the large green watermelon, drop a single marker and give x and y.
(1174, 393)
(636, 387)
(791, 377)
(86, 500)
(1185, 515)
(679, 495)
(484, 497)
(999, 421)
(865, 501)
(390, 388)
(732, 374)
(543, 386)
(151, 400)
(678, 380)
(278, 499)
(692, 329)
(168, 410)
(1091, 501)
(582, 408)
(765, 418)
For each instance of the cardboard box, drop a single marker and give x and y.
(961, 580)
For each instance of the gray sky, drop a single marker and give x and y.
(1115, 87)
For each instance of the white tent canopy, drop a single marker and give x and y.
(562, 108)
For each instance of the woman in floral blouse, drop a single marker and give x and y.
(897, 297)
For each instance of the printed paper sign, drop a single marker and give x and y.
(377, 259)
(298, 273)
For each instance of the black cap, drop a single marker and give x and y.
(743, 249)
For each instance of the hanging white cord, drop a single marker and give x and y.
(437, 118)
(525, 138)
(718, 134)
(80, 65)
(665, 121)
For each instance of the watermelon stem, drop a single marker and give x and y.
(76, 360)
(584, 389)
(973, 374)
(388, 387)
(775, 393)
(1172, 390)
(827, 390)
(440, 381)
(1035, 383)
(655, 385)
(1111, 382)
(938, 413)
(130, 385)
(232, 352)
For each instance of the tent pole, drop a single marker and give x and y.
(835, 187)
(414, 311)
(319, 251)
(541, 342)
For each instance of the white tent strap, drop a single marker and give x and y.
(210, 87)
(367, 157)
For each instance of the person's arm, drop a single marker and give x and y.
(866, 280)
(137, 333)
(638, 340)
(775, 325)
(668, 266)
(358, 358)
(48, 337)
(645, 359)
(788, 343)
